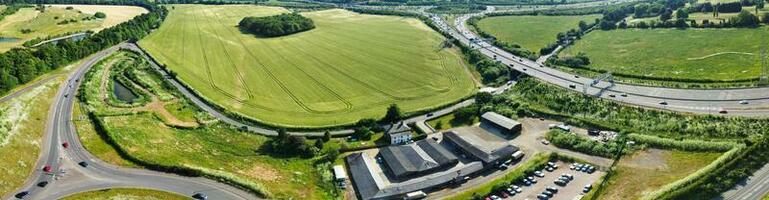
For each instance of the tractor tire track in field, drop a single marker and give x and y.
(229, 58)
(205, 61)
(348, 105)
(351, 77)
(388, 72)
(275, 78)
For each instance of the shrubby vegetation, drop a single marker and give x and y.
(276, 25)
(683, 144)
(579, 61)
(533, 98)
(457, 9)
(21, 65)
(585, 145)
(543, 99)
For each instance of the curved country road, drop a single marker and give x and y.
(68, 177)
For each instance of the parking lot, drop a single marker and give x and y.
(571, 190)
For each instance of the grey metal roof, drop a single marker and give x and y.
(365, 181)
(500, 120)
(478, 148)
(407, 159)
(399, 127)
(437, 152)
(369, 185)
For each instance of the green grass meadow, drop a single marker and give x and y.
(125, 194)
(709, 54)
(212, 147)
(639, 174)
(351, 66)
(42, 24)
(531, 31)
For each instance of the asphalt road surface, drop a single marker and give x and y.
(699, 101)
(67, 177)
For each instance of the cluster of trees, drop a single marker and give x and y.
(585, 145)
(744, 19)
(276, 25)
(100, 15)
(566, 38)
(578, 61)
(292, 145)
(611, 115)
(457, 8)
(365, 128)
(21, 65)
(492, 72)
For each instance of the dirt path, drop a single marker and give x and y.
(155, 105)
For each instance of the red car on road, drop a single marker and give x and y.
(47, 168)
(65, 145)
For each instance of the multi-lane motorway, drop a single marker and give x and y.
(755, 101)
(66, 176)
(744, 102)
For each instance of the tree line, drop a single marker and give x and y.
(276, 25)
(21, 65)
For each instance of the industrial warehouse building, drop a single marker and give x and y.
(505, 125)
(426, 164)
(479, 148)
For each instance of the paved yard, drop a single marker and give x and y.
(568, 192)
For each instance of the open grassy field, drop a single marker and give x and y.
(22, 121)
(115, 14)
(531, 32)
(146, 132)
(43, 24)
(713, 54)
(125, 194)
(646, 171)
(700, 16)
(349, 67)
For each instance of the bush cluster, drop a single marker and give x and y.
(276, 25)
(585, 145)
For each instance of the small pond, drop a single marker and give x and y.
(123, 93)
(8, 39)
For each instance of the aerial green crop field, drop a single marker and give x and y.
(351, 66)
(714, 54)
(529, 31)
(126, 194)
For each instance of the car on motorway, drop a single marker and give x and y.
(199, 196)
(576, 76)
(623, 95)
(612, 95)
(42, 184)
(21, 195)
(744, 102)
(47, 168)
(572, 86)
(83, 164)
(722, 111)
(65, 145)
(664, 103)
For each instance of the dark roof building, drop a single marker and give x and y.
(500, 122)
(417, 158)
(479, 148)
(371, 186)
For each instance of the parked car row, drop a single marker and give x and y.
(587, 168)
